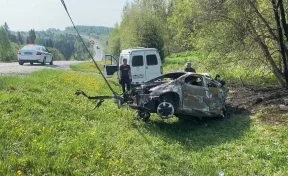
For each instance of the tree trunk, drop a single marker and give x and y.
(275, 70)
(281, 40)
(274, 36)
(283, 18)
(269, 28)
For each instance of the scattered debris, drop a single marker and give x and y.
(253, 98)
(284, 107)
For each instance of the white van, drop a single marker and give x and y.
(145, 64)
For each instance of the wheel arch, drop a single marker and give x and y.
(175, 97)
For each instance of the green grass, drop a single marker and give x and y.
(88, 67)
(47, 130)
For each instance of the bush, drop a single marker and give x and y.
(58, 56)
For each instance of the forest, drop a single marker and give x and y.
(248, 35)
(65, 45)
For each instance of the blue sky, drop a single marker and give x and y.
(43, 14)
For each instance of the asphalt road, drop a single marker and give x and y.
(99, 52)
(16, 69)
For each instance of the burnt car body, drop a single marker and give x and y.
(183, 94)
(186, 95)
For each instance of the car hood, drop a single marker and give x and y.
(156, 90)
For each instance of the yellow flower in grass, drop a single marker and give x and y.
(20, 172)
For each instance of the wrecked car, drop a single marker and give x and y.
(185, 95)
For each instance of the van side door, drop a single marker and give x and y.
(137, 63)
(153, 65)
(110, 65)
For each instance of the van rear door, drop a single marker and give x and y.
(153, 65)
(137, 64)
(110, 65)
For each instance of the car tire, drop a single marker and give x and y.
(143, 115)
(51, 63)
(21, 63)
(31, 63)
(167, 107)
(226, 112)
(44, 61)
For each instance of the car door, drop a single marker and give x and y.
(46, 54)
(49, 54)
(152, 67)
(217, 98)
(137, 64)
(196, 96)
(110, 65)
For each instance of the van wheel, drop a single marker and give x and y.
(21, 63)
(31, 63)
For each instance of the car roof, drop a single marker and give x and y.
(32, 46)
(128, 51)
(186, 73)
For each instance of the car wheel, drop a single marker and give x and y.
(21, 63)
(167, 107)
(225, 111)
(31, 63)
(51, 63)
(143, 115)
(44, 61)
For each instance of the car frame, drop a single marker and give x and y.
(207, 98)
(186, 95)
(33, 53)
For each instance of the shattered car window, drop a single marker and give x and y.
(194, 80)
(168, 77)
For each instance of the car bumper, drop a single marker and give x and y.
(28, 60)
(140, 103)
(34, 59)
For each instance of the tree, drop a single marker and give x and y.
(5, 46)
(6, 27)
(230, 33)
(11, 36)
(28, 40)
(114, 40)
(143, 24)
(32, 36)
(19, 37)
(280, 32)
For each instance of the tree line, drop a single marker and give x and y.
(230, 33)
(90, 30)
(63, 44)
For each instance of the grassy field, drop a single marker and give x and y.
(47, 130)
(88, 67)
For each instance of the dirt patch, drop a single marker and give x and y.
(253, 99)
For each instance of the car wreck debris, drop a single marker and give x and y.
(284, 107)
(183, 94)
